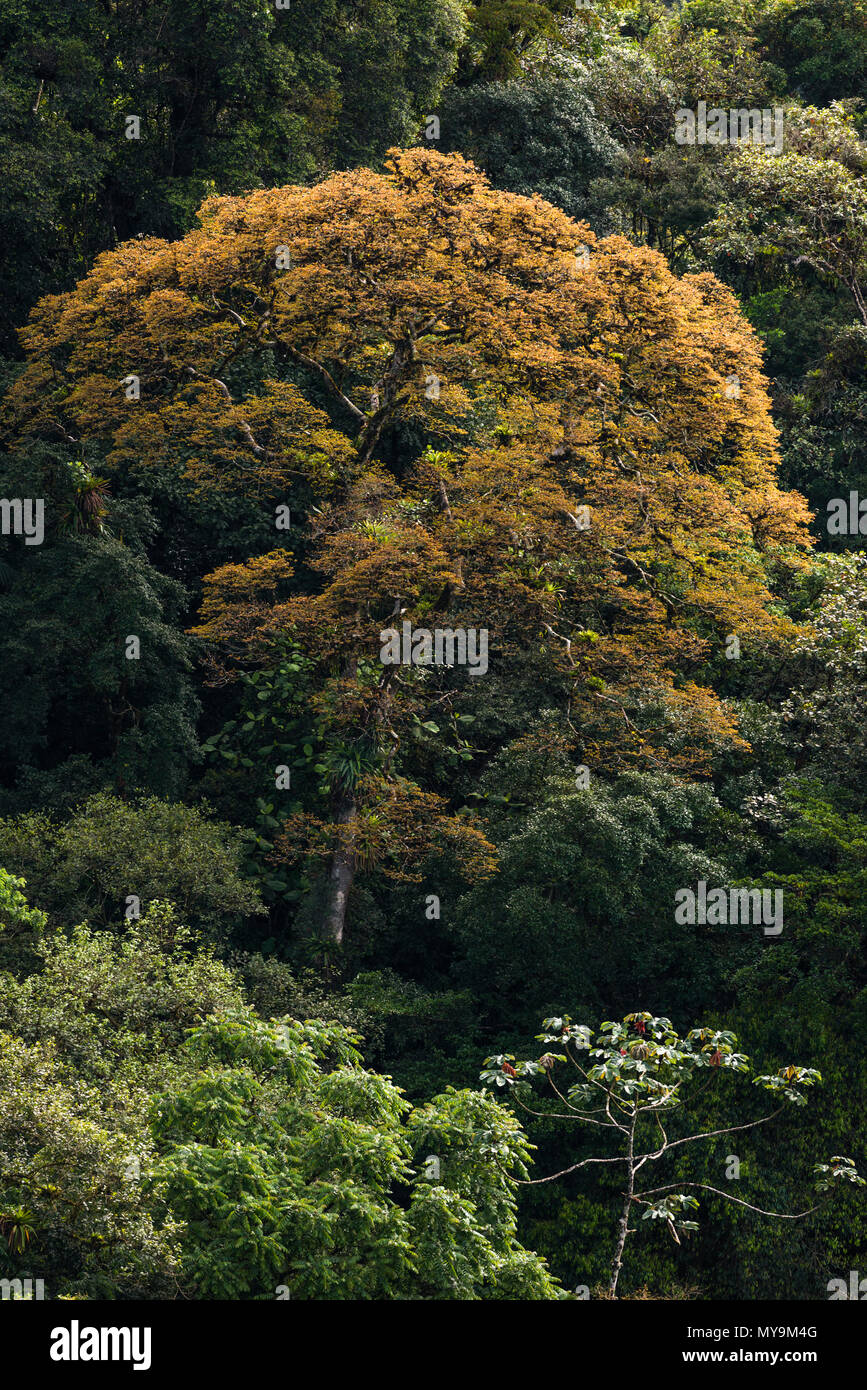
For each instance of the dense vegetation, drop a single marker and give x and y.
(331, 321)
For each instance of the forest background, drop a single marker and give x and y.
(324, 318)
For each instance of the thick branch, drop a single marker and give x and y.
(324, 375)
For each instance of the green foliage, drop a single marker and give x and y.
(586, 890)
(105, 1001)
(21, 926)
(87, 866)
(539, 137)
(155, 1133)
(228, 96)
(504, 34)
(804, 209)
(15, 914)
(79, 712)
(275, 737)
(821, 45)
(70, 1151)
(280, 1159)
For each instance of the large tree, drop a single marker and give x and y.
(489, 418)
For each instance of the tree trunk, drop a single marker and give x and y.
(340, 876)
(623, 1229)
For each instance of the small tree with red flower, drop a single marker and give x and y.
(629, 1080)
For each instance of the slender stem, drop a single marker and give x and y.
(623, 1229)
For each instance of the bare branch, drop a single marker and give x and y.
(780, 1215)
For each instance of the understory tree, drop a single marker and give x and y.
(635, 1078)
(159, 1138)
